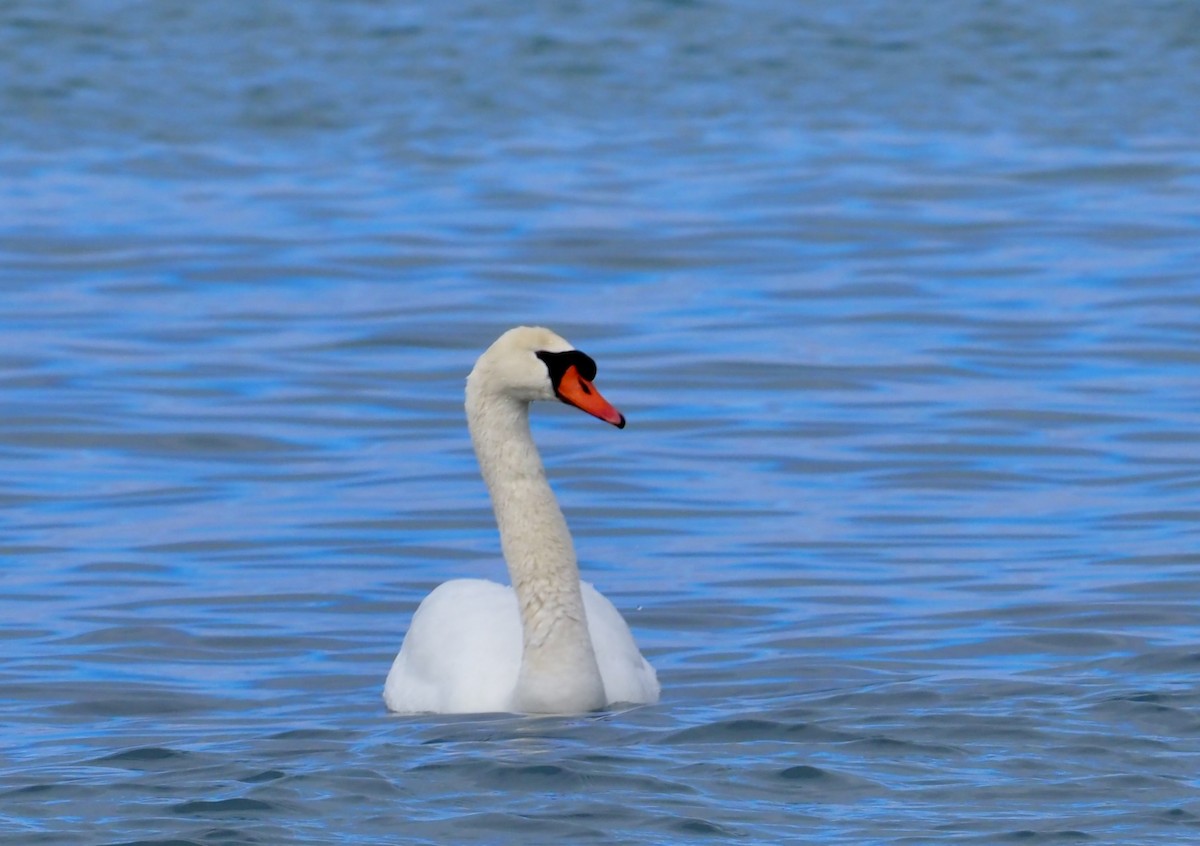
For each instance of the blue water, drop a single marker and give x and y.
(902, 304)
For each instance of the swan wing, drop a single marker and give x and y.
(462, 653)
(627, 676)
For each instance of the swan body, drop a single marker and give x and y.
(550, 643)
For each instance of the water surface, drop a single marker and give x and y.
(901, 304)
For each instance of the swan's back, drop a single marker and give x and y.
(462, 653)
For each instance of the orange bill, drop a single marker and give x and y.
(574, 390)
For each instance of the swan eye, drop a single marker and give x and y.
(559, 362)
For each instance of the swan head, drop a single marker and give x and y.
(531, 363)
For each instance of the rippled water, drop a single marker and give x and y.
(902, 305)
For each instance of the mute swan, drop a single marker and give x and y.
(549, 644)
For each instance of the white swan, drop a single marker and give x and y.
(549, 644)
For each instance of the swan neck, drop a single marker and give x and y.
(559, 672)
